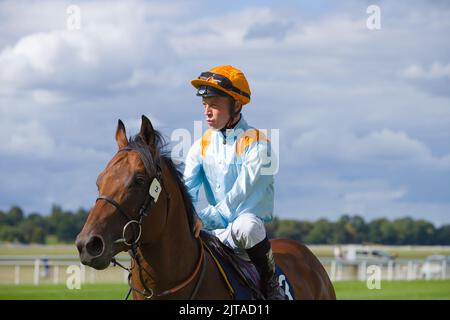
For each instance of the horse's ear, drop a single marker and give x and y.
(147, 132)
(121, 135)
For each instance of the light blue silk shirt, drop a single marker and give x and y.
(235, 168)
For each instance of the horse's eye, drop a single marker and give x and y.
(140, 181)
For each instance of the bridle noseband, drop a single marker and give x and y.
(150, 199)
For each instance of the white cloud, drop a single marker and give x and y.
(434, 79)
(113, 47)
(319, 206)
(28, 138)
(437, 70)
(382, 147)
(146, 78)
(368, 197)
(218, 34)
(32, 140)
(326, 194)
(47, 97)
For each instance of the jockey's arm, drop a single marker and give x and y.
(193, 179)
(193, 172)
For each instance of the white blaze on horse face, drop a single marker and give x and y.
(155, 189)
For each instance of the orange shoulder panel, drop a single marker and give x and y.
(204, 143)
(248, 138)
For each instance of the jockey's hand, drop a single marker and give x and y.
(198, 225)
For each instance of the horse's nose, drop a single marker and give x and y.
(91, 247)
(95, 246)
(80, 244)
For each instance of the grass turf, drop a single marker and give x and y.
(60, 292)
(348, 290)
(394, 290)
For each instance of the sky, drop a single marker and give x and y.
(360, 115)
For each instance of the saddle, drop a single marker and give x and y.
(240, 275)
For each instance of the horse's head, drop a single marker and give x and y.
(129, 188)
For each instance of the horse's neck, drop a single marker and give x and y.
(172, 260)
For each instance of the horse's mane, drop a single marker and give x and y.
(163, 152)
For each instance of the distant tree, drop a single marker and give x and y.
(341, 230)
(424, 233)
(2, 218)
(11, 234)
(404, 230)
(65, 225)
(350, 230)
(305, 228)
(55, 219)
(293, 229)
(271, 228)
(359, 229)
(381, 231)
(443, 235)
(80, 218)
(60, 223)
(14, 216)
(321, 233)
(31, 232)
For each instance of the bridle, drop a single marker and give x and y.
(150, 200)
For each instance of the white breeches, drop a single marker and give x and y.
(244, 232)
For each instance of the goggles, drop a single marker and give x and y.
(222, 81)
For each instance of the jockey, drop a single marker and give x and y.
(232, 160)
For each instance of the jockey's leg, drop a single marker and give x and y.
(249, 233)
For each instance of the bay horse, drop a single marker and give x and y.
(145, 209)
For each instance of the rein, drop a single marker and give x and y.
(150, 200)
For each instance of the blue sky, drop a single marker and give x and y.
(363, 115)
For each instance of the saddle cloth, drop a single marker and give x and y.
(241, 276)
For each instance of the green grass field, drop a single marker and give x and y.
(394, 290)
(60, 292)
(349, 290)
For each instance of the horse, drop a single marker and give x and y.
(144, 208)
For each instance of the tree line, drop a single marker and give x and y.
(15, 226)
(354, 229)
(35, 227)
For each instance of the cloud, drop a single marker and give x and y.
(326, 194)
(272, 29)
(368, 108)
(98, 59)
(219, 34)
(28, 138)
(434, 79)
(382, 148)
(435, 71)
(47, 97)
